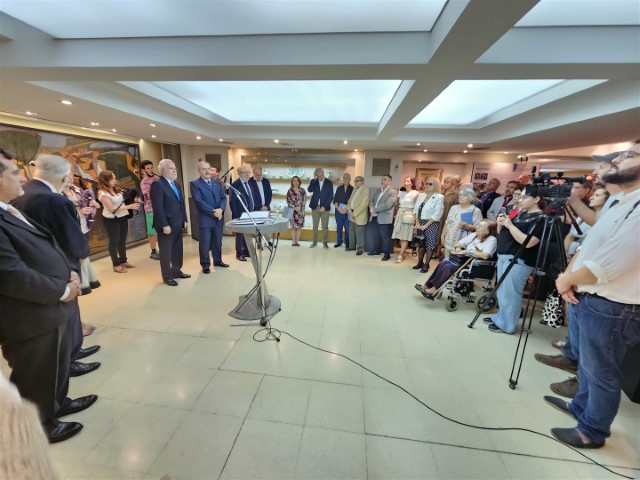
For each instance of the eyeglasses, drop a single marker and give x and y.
(359, 180)
(431, 184)
(629, 154)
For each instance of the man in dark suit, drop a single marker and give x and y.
(261, 189)
(242, 186)
(321, 189)
(489, 195)
(37, 290)
(169, 218)
(210, 201)
(43, 202)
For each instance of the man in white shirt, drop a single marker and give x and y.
(261, 189)
(602, 287)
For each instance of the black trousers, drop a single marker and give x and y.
(40, 369)
(117, 229)
(382, 236)
(241, 246)
(170, 253)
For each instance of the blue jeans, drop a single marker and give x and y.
(601, 331)
(342, 222)
(510, 293)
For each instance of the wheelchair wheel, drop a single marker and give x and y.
(463, 288)
(452, 304)
(486, 302)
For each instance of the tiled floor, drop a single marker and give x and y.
(184, 393)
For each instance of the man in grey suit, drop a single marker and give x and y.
(381, 206)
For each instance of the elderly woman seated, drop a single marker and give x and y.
(480, 244)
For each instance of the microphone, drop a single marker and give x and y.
(224, 175)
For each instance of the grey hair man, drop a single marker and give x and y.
(358, 212)
(321, 189)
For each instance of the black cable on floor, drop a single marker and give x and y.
(270, 335)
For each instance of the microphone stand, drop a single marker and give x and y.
(248, 212)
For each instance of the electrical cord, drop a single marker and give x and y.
(270, 335)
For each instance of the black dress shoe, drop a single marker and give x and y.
(241, 258)
(385, 258)
(77, 369)
(359, 252)
(95, 284)
(182, 275)
(570, 436)
(417, 267)
(171, 282)
(337, 245)
(221, 264)
(558, 404)
(85, 291)
(206, 270)
(61, 431)
(85, 352)
(373, 253)
(77, 405)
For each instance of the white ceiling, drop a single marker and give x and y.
(520, 76)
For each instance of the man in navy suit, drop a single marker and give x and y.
(321, 189)
(242, 186)
(37, 290)
(261, 189)
(169, 218)
(210, 201)
(43, 202)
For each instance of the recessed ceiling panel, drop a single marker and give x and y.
(467, 101)
(557, 13)
(333, 101)
(169, 18)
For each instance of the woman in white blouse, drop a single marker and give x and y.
(115, 219)
(403, 226)
(428, 213)
(461, 220)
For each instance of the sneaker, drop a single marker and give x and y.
(557, 361)
(154, 256)
(487, 320)
(568, 388)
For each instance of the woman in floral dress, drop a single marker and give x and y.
(295, 200)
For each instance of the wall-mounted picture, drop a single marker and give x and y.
(480, 176)
(88, 157)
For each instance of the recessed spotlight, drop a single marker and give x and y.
(198, 137)
(465, 151)
(95, 124)
(31, 114)
(275, 140)
(425, 150)
(418, 144)
(506, 153)
(356, 150)
(419, 161)
(113, 130)
(221, 139)
(153, 136)
(66, 102)
(346, 142)
(152, 124)
(470, 145)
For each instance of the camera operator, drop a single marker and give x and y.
(602, 289)
(511, 236)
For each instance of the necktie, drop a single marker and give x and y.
(249, 196)
(175, 190)
(16, 213)
(209, 183)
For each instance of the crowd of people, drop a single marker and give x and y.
(44, 262)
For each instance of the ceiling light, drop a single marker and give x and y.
(418, 144)
(32, 114)
(425, 150)
(95, 124)
(346, 142)
(113, 130)
(506, 153)
(152, 124)
(153, 136)
(275, 140)
(66, 102)
(470, 145)
(221, 139)
(356, 150)
(465, 151)
(198, 137)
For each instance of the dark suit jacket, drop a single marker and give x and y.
(268, 194)
(488, 202)
(207, 199)
(322, 198)
(33, 276)
(168, 211)
(236, 207)
(58, 214)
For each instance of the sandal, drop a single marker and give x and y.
(119, 269)
(399, 259)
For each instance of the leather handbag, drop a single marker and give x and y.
(407, 218)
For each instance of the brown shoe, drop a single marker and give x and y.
(119, 269)
(557, 361)
(127, 265)
(568, 388)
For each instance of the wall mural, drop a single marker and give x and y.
(88, 157)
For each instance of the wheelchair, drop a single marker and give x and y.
(462, 285)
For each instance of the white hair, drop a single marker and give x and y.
(51, 167)
(468, 192)
(164, 164)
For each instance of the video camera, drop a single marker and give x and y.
(555, 190)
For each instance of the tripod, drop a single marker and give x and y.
(551, 231)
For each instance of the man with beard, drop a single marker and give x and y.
(603, 292)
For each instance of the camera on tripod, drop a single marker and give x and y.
(555, 190)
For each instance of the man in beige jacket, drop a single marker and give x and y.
(358, 210)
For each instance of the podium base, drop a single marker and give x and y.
(248, 308)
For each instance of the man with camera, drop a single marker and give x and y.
(602, 289)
